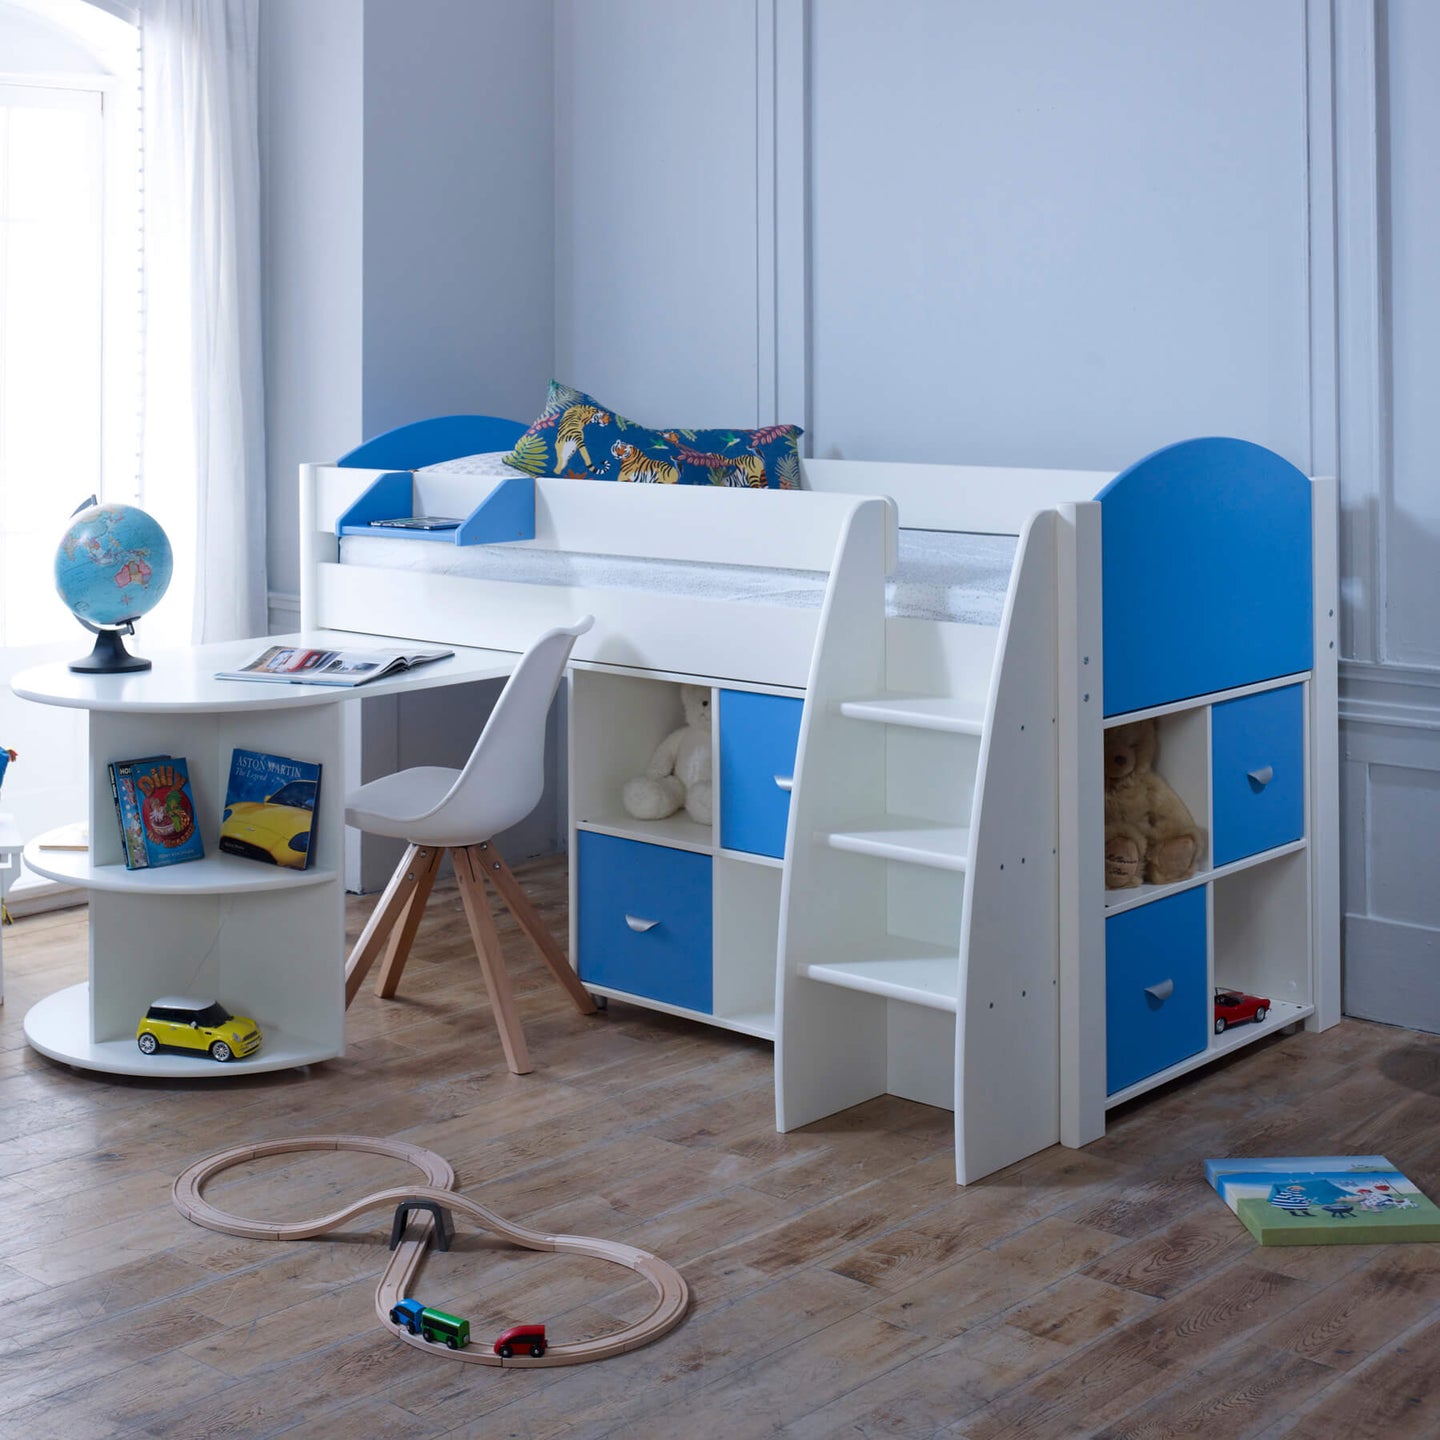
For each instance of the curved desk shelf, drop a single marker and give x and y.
(59, 1026)
(263, 940)
(214, 875)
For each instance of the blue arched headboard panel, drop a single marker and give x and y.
(1206, 558)
(428, 442)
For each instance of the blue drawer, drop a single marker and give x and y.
(1155, 987)
(758, 736)
(644, 923)
(1257, 747)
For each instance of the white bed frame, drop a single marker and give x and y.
(941, 916)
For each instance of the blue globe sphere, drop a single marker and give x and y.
(113, 565)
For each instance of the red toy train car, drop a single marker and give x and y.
(521, 1337)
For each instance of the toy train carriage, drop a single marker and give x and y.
(434, 1326)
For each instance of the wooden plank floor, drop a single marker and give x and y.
(843, 1285)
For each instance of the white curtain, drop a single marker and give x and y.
(203, 453)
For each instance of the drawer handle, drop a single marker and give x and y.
(1161, 992)
(1260, 778)
(640, 926)
(785, 782)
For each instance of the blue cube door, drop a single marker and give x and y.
(758, 738)
(1258, 772)
(1156, 1007)
(644, 923)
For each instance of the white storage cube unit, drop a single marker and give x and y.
(671, 913)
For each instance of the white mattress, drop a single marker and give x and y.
(939, 574)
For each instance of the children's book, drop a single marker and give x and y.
(127, 809)
(270, 808)
(1324, 1200)
(169, 831)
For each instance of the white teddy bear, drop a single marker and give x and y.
(679, 771)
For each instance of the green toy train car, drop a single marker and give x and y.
(433, 1325)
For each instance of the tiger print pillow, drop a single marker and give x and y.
(578, 437)
(558, 443)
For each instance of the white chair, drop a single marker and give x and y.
(436, 809)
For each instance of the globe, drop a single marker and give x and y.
(113, 566)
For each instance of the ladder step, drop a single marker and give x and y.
(926, 975)
(900, 837)
(918, 712)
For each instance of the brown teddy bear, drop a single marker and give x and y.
(1149, 833)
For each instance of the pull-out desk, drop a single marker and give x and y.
(266, 941)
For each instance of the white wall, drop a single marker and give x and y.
(312, 173)
(656, 208)
(1054, 234)
(1392, 695)
(458, 274)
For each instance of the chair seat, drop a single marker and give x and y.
(395, 804)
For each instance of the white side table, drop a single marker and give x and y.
(266, 941)
(10, 849)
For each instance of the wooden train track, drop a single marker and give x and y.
(671, 1292)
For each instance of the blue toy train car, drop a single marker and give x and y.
(433, 1325)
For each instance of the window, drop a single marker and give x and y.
(70, 318)
(69, 292)
(51, 248)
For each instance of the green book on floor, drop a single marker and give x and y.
(1324, 1200)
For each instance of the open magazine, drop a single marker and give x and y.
(293, 665)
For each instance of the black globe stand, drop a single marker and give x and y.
(109, 657)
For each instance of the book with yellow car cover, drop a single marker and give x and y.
(270, 808)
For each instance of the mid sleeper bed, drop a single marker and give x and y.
(913, 669)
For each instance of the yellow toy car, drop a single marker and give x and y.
(178, 1023)
(276, 829)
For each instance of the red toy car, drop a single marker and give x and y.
(521, 1337)
(1231, 1007)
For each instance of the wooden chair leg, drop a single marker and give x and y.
(468, 871)
(525, 913)
(402, 936)
(382, 921)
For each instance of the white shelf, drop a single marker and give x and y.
(909, 970)
(758, 1023)
(1118, 900)
(901, 837)
(1282, 1014)
(678, 831)
(214, 875)
(918, 712)
(751, 857)
(59, 1025)
(1236, 1037)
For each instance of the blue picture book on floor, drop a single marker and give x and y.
(1324, 1200)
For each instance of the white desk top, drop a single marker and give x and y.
(185, 679)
